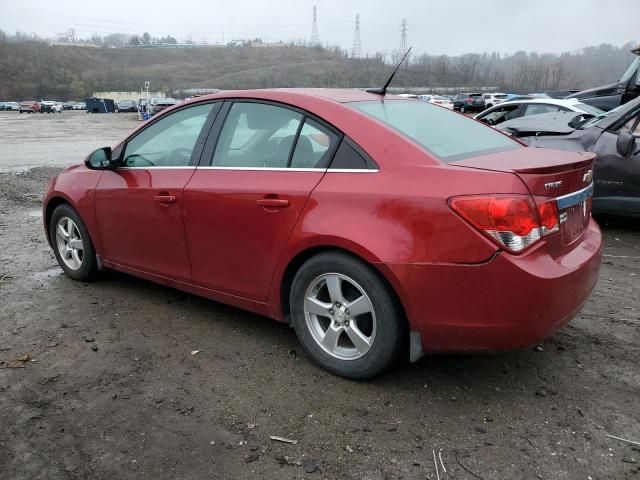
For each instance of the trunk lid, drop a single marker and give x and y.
(565, 176)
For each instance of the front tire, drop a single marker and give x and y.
(72, 245)
(345, 316)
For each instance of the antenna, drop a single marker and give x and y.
(383, 91)
(356, 51)
(315, 38)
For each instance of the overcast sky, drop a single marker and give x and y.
(434, 26)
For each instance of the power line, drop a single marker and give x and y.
(403, 38)
(315, 38)
(356, 50)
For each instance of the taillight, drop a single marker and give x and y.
(514, 222)
(549, 217)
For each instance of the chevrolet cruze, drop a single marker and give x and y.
(379, 227)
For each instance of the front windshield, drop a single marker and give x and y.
(630, 71)
(602, 115)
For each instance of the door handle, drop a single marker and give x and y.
(165, 198)
(273, 202)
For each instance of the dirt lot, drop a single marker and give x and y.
(35, 139)
(110, 388)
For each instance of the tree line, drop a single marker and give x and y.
(31, 68)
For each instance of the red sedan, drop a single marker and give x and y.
(376, 225)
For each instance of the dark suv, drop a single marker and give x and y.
(468, 102)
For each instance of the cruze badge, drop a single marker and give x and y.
(587, 177)
(551, 185)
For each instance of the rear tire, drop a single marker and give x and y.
(72, 245)
(346, 317)
(463, 110)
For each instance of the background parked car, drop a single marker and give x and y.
(127, 106)
(613, 136)
(437, 100)
(491, 99)
(48, 106)
(522, 108)
(13, 106)
(79, 106)
(159, 104)
(468, 102)
(29, 106)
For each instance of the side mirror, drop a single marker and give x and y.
(101, 160)
(626, 143)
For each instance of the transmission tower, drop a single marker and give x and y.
(356, 51)
(315, 38)
(403, 38)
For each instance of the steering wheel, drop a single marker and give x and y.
(138, 158)
(179, 153)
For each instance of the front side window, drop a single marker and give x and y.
(448, 136)
(633, 125)
(257, 135)
(170, 141)
(500, 114)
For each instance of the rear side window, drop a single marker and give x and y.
(445, 134)
(349, 158)
(538, 108)
(257, 135)
(314, 146)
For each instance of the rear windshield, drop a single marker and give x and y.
(447, 135)
(589, 108)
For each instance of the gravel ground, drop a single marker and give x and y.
(36, 139)
(99, 381)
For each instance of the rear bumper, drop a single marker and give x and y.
(507, 303)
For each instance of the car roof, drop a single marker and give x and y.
(339, 95)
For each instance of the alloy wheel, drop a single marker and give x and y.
(69, 243)
(340, 316)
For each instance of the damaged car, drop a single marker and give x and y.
(607, 97)
(535, 106)
(613, 136)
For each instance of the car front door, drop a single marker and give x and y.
(139, 205)
(244, 199)
(617, 178)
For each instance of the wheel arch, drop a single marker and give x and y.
(285, 280)
(51, 204)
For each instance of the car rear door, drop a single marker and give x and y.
(139, 205)
(258, 169)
